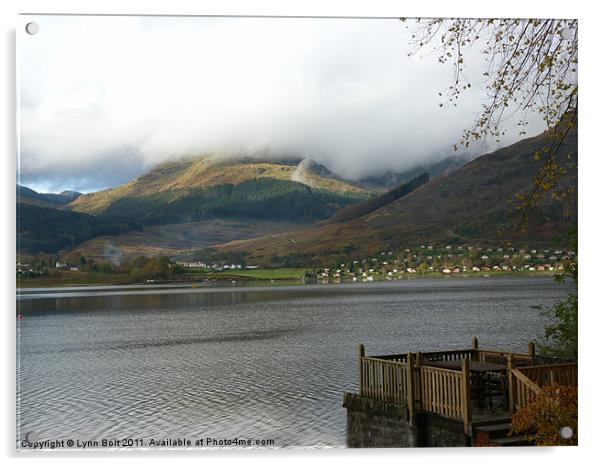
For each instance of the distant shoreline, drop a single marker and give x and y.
(271, 278)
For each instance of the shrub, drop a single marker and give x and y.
(542, 420)
(561, 336)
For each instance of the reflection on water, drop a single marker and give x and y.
(242, 362)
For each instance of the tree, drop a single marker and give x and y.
(531, 68)
(138, 262)
(560, 337)
(517, 261)
(136, 274)
(104, 267)
(541, 421)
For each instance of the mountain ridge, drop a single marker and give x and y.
(468, 205)
(32, 197)
(208, 172)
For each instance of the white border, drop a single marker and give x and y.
(590, 170)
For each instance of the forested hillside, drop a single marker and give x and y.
(41, 229)
(363, 208)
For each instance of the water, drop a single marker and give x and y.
(258, 362)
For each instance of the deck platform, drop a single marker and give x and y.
(447, 398)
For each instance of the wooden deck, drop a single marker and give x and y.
(473, 385)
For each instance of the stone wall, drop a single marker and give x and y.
(373, 424)
(439, 431)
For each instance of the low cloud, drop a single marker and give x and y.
(103, 99)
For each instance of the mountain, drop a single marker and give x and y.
(29, 196)
(362, 208)
(193, 189)
(391, 179)
(44, 229)
(473, 204)
(179, 239)
(176, 239)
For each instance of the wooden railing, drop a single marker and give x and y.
(482, 355)
(408, 379)
(393, 357)
(383, 380)
(522, 390)
(525, 383)
(432, 389)
(450, 355)
(446, 392)
(552, 374)
(473, 354)
(501, 357)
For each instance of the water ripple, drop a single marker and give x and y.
(270, 366)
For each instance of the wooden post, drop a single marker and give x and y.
(510, 383)
(531, 351)
(466, 407)
(361, 353)
(410, 388)
(418, 385)
(475, 348)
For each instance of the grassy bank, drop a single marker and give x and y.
(268, 274)
(68, 278)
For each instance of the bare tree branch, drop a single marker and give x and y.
(531, 69)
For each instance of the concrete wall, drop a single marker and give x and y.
(373, 424)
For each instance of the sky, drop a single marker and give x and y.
(104, 99)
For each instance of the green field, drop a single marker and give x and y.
(67, 278)
(268, 274)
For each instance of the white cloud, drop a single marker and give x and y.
(104, 98)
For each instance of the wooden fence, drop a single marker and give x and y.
(446, 392)
(501, 357)
(522, 390)
(384, 380)
(443, 356)
(393, 357)
(433, 389)
(408, 379)
(552, 374)
(525, 383)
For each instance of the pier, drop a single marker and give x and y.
(463, 397)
